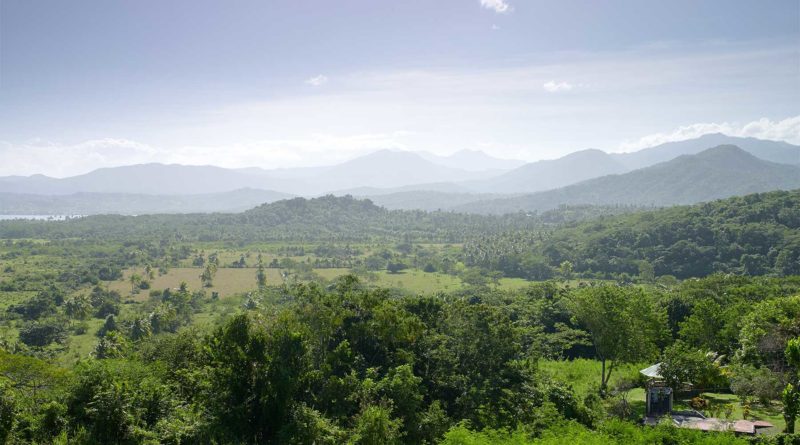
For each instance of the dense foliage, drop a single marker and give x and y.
(753, 235)
(327, 218)
(306, 364)
(306, 360)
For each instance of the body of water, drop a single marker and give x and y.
(39, 217)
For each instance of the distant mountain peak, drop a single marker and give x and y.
(725, 149)
(553, 173)
(471, 160)
(774, 151)
(586, 152)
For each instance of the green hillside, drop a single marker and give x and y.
(715, 173)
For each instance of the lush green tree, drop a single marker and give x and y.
(112, 345)
(8, 408)
(624, 323)
(32, 378)
(43, 333)
(762, 383)
(790, 397)
(207, 277)
(481, 369)
(307, 426)
(104, 302)
(475, 277)
(395, 266)
(405, 392)
(78, 307)
(261, 275)
(140, 329)
(706, 326)
(118, 402)
(164, 318)
(375, 426)
(255, 375)
(110, 325)
(135, 279)
(566, 269)
(53, 421)
(647, 272)
(43, 304)
(681, 364)
(766, 330)
(148, 272)
(791, 394)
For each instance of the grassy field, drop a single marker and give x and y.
(584, 375)
(419, 282)
(232, 281)
(228, 281)
(81, 346)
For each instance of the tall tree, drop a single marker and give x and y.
(261, 275)
(625, 325)
(791, 394)
(134, 279)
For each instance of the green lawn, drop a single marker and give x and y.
(81, 346)
(584, 374)
(771, 414)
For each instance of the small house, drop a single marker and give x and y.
(658, 396)
(659, 404)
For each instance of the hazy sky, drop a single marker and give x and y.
(85, 84)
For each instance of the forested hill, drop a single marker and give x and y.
(327, 218)
(715, 173)
(350, 218)
(754, 235)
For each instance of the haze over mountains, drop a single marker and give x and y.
(472, 160)
(715, 173)
(543, 175)
(471, 181)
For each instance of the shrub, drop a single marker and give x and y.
(698, 403)
(43, 333)
(761, 383)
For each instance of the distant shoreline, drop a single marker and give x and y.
(39, 217)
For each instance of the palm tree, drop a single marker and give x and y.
(135, 280)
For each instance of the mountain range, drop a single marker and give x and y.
(472, 160)
(465, 181)
(592, 163)
(381, 169)
(715, 173)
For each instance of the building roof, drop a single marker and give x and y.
(744, 426)
(654, 372)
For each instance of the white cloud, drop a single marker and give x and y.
(498, 6)
(317, 80)
(783, 130)
(450, 108)
(63, 159)
(557, 87)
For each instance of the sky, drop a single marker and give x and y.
(95, 83)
